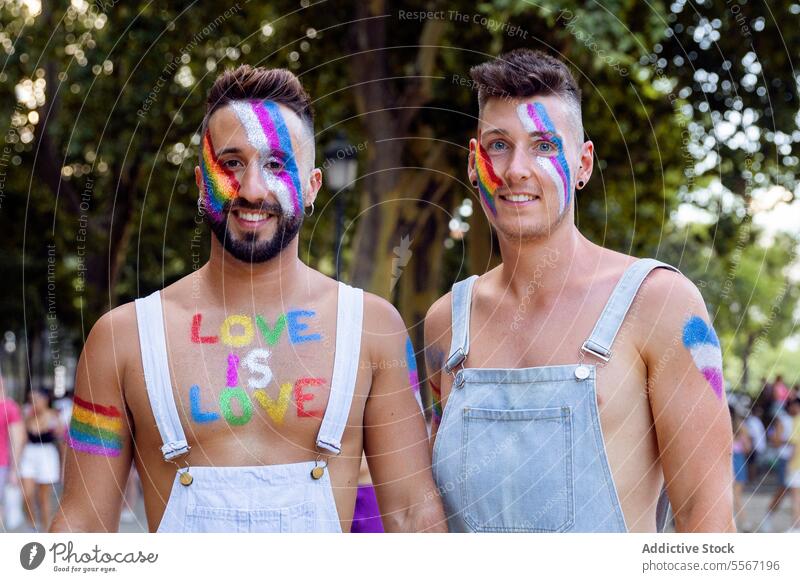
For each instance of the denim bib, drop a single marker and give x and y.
(267, 499)
(522, 450)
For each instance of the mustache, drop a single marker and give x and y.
(265, 206)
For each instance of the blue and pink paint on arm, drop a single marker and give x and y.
(702, 342)
(268, 133)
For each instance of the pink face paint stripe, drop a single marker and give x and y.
(92, 449)
(559, 162)
(278, 142)
(714, 378)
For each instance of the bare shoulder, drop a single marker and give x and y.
(113, 333)
(665, 294)
(437, 320)
(666, 302)
(381, 317)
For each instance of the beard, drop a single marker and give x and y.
(249, 248)
(523, 233)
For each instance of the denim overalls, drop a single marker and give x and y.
(294, 497)
(522, 450)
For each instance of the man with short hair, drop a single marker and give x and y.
(574, 386)
(247, 391)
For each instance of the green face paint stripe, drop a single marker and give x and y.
(88, 429)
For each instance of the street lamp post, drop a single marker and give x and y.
(339, 173)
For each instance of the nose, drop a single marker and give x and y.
(253, 185)
(519, 167)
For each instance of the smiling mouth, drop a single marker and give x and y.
(519, 198)
(252, 218)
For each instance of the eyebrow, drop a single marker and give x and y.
(503, 132)
(234, 150)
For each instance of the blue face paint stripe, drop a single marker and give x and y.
(285, 140)
(697, 332)
(562, 160)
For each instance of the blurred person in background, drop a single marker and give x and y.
(778, 433)
(793, 479)
(755, 426)
(780, 394)
(12, 439)
(742, 445)
(40, 465)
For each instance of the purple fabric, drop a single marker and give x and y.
(367, 515)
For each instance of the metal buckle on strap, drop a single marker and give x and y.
(174, 450)
(456, 359)
(604, 355)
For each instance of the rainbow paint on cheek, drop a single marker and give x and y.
(95, 429)
(267, 133)
(702, 342)
(220, 186)
(488, 182)
(534, 118)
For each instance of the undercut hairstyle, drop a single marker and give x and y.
(524, 73)
(262, 84)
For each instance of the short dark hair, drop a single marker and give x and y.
(526, 73)
(246, 83)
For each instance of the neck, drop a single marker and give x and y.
(545, 264)
(236, 282)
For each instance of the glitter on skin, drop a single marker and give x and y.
(702, 342)
(220, 186)
(268, 134)
(534, 118)
(488, 182)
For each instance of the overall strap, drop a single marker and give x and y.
(462, 303)
(349, 317)
(608, 325)
(153, 345)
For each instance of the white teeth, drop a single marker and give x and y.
(519, 197)
(252, 216)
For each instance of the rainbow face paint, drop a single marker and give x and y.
(488, 182)
(702, 342)
(95, 429)
(268, 134)
(220, 186)
(534, 119)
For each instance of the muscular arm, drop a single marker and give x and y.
(687, 398)
(395, 438)
(98, 456)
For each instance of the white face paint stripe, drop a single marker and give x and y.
(706, 356)
(257, 138)
(547, 165)
(255, 135)
(525, 119)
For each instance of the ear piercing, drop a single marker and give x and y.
(474, 183)
(581, 183)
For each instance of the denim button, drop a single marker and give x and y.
(581, 372)
(459, 381)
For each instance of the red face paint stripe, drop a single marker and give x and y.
(97, 408)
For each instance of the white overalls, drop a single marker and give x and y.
(272, 498)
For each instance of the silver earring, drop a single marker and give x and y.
(312, 210)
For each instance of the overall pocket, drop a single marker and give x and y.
(298, 518)
(516, 470)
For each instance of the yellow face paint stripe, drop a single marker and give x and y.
(98, 420)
